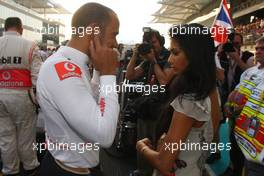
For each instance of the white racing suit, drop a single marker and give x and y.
(19, 66)
(78, 118)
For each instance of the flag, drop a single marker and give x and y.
(222, 24)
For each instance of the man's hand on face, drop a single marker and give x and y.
(103, 58)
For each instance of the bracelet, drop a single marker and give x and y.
(144, 148)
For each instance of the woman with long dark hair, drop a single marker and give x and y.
(193, 97)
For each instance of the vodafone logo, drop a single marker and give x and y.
(15, 78)
(69, 66)
(6, 75)
(67, 69)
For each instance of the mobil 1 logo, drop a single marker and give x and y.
(10, 60)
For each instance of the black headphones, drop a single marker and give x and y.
(149, 33)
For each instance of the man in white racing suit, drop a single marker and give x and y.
(19, 66)
(80, 113)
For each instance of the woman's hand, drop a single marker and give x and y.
(143, 143)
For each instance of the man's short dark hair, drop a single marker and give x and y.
(147, 36)
(92, 13)
(13, 22)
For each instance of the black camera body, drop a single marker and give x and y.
(144, 48)
(228, 47)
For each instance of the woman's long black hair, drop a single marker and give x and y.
(199, 78)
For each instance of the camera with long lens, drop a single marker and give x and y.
(143, 49)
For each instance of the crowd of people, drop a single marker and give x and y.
(253, 30)
(45, 51)
(195, 88)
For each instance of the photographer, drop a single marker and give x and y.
(154, 66)
(233, 61)
(238, 60)
(154, 69)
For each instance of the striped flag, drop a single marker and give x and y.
(222, 24)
